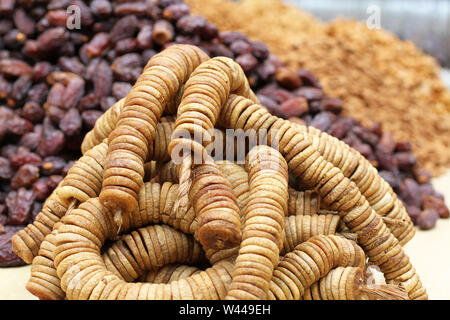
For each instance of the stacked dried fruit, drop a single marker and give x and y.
(244, 226)
(377, 75)
(298, 96)
(379, 83)
(55, 82)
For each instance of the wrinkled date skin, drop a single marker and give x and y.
(7, 257)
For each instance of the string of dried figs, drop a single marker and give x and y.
(347, 284)
(92, 289)
(126, 262)
(241, 170)
(395, 216)
(309, 250)
(136, 126)
(316, 172)
(41, 275)
(331, 184)
(26, 242)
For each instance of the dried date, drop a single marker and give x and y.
(14, 67)
(294, 107)
(427, 219)
(102, 79)
(7, 257)
(52, 140)
(23, 22)
(71, 123)
(33, 112)
(430, 202)
(287, 78)
(22, 156)
(6, 171)
(90, 117)
(25, 176)
(125, 27)
(19, 204)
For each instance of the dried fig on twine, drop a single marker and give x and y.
(189, 227)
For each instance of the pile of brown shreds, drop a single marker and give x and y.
(377, 76)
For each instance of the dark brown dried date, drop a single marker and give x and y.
(405, 160)
(33, 112)
(51, 40)
(19, 204)
(53, 181)
(90, 117)
(430, 202)
(53, 165)
(55, 18)
(125, 27)
(25, 176)
(31, 140)
(22, 156)
(421, 175)
(38, 93)
(322, 121)
(131, 8)
(387, 142)
(309, 78)
(287, 78)
(102, 79)
(14, 39)
(41, 70)
(427, 219)
(7, 257)
(52, 140)
(120, 89)
(332, 104)
(71, 64)
(247, 61)
(98, 45)
(20, 89)
(341, 127)
(86, 16)
(294, 107)
(413, 212)
(14, 67)
(41, 189)
(6, 172)
(7, 6)
(71, 123)
(89, 101)
(73, 92)
(23, 22)
(144, 37)
(176, 11)
(101, 8)
(19, 126)
(5, 87)
(310, 93)
(126, 46)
